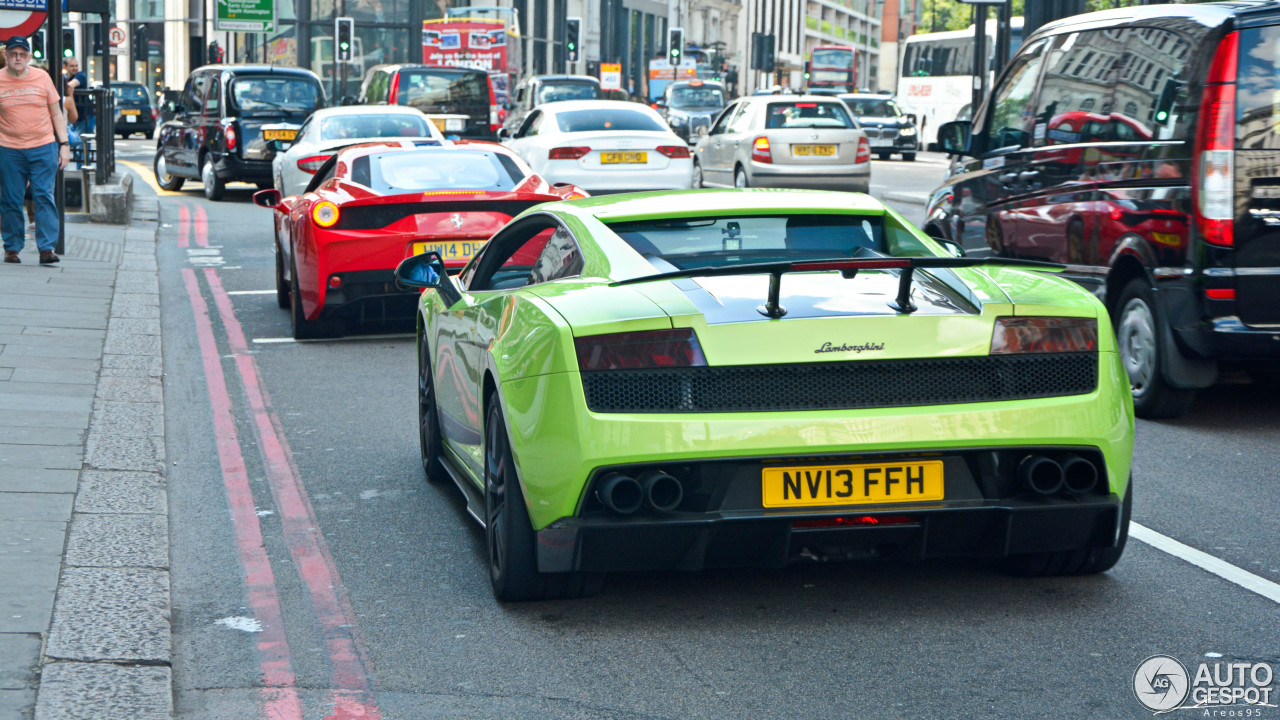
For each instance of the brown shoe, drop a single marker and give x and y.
(11, 256)
(47, 257)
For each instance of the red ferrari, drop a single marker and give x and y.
(372, 205)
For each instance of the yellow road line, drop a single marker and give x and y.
(148, 177)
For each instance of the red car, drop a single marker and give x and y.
(372, 205)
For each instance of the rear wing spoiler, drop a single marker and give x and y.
(849, 268)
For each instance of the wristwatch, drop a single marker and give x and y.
(64, 142)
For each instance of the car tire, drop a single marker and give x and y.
(282, 288)
(1140, 341)
(740, 178)
(995, 236)
(697, 175)
(509, 538)
(429, 439)
(909, 157)
(150, 135)
(304, 329)
(159, 167)
(1075, 241)
(883, 156)
(1089, 561)
(125, 136)
(214, 188)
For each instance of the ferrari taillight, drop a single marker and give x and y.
(567, 153)
(325, 214)
(675, 152)
(672, 348)
(1015, 335)
(311, 164)
(760, 150)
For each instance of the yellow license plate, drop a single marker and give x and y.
(813, 149)
(288, 135)
(450, 250)
(898, 482)
(610, 158)
(1170, 239)
(133, 111)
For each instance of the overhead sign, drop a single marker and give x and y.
(610, 76)
(245, 16)
(19, 17)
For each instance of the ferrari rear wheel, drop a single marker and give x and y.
(509, 538)
(1089, 561)
(304, 329)
(428, 422)
(282, 288)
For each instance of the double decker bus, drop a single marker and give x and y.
(935, 81)
(831, 68)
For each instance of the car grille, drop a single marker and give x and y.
(882, 133)
(841, 386)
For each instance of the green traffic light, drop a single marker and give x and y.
(345, 46)
(68, 52)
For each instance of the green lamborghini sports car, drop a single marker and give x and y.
(753, 377)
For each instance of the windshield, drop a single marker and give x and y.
(555, 92)
(736, 240)
(130, 93)
(427, 90)
(832, 59)
(689, 96)
(342, 127)
(607, 119)
(435, 169)
(267, 95)
(807, 115)
(873, 107)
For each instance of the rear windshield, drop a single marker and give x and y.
(555, 92)
(607, 119)
(437, 169)
(692, 96)
(807, 115)
(343, 127)
(1258, 89)
(735, 240)
(263, 95)
(130, 93)
(873, 107)
(446, 91)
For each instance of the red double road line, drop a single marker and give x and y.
(184, 225)
(353, 697)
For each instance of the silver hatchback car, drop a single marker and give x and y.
(791, 141)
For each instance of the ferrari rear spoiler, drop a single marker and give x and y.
(848, 267)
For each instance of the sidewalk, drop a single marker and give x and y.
(84, 595)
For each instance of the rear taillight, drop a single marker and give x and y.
(864, 151)
(567, 153)
(495, 118)
(230, 133)
(1014, 335)
(325, 214)
(153, 113)
(674, 152)
(638, 350)
(393, 95)
(311, 164)
(760, 150)
(1214, 186)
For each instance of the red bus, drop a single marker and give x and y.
(831, 67)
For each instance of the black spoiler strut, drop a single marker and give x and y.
(848, 267)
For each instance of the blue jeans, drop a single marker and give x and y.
(86, 124)
(38, 166)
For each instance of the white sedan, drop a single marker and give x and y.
(602, 146)
(332, 128)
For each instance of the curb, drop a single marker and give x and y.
(109, 647)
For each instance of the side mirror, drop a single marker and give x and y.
(911, 118)
(659, 105)
(953, 137)
(420, 271)
(951, 246)
(269, 198)
(278, 145)
(503, 133)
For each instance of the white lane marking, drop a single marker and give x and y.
(249, 292)
(283, 340)
(1205, 561)
(244, 624)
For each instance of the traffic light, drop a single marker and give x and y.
(37, 45)
(572, 34)
(675, 45)
(68, 43)
(344, 29)
(767, 53)
(140, 43)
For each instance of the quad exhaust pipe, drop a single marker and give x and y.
(1047, 476)
(624, 495)
(1079, 475)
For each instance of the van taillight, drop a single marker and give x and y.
(230, 134)
(1214, 181)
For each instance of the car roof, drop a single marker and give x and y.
(371, 146)
(396, 67)
(700, 82)
(571, 105)
(1207, 14)
(368, 110)
(791, 98)
(577, 78)
(257, 68)
(704, 203)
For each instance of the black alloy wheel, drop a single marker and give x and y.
(429, 441)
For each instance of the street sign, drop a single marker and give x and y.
(18, 18)
(245, 15)
(116, 35)
(610, 76)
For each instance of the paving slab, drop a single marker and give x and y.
(17, 387)
(117, 452)
(118, 540)
(127, 389)
(118, 491)
(5, 374)
(83, 691)
(45, 318)
(16, 360)
(111, 614)
(127, 419)
(37, 480)
(43, 331)
(25, 608)
(32, 538)
(122, 343)
(53, 376)
(154, 366)
(35, 507)
(135, 326)
(49, 351)
(55, 457)
(19, 657)
(48, 418)
(41, 435)
(17, 703)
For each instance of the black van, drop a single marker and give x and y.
(436, 90)
(223, 125)
(1140, 147)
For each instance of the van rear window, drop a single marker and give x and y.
(427, 90)
(1258, 89)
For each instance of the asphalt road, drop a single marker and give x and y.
(385, 593)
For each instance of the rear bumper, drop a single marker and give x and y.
(233, 167)
(369, 296)
(855, 178)
(991, 529)
(678, 175)
(1212, 329)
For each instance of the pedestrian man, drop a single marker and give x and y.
(33, 148)
(77, 80)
